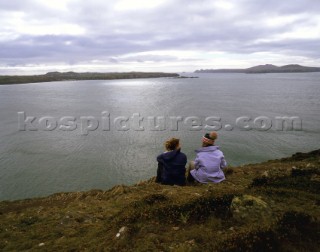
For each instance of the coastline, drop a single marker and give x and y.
(72, 76)
(266, 204)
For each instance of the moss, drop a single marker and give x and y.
(155, 198)
(252, 240)
(28, 221)
(259, 181)
(294, 219)
(298, 179)
(195, 210)
(228, 171)
(298, 172)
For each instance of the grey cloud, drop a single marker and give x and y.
(148, 57)
(176, 25)
(282, 7)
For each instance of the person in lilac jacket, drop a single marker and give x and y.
(209, 162)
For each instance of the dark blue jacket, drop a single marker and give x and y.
(174, 167)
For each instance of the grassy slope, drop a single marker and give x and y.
(165, 218)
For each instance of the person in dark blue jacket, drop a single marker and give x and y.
(171, 164)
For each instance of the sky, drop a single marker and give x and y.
(38, 36)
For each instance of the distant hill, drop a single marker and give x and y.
(267, 68)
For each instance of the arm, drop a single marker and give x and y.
(197, 163)
(185, 161)
(223, 163)
(159, 158)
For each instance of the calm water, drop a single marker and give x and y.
(39, 163)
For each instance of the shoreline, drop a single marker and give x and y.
(73, 76)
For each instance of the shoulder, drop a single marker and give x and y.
(219, 152)
(181, 154)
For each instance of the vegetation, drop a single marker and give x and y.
(272, 206)
(57, 76)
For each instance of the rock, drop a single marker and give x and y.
(123, 229)
(249, 208)
(175, 228)
(41, 244)
(231, 229)
(265, 174)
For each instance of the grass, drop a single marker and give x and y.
(196, 217)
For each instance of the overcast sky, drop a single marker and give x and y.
(37, 36)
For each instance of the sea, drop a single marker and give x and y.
(80, 135)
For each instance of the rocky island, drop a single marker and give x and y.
(271, 206)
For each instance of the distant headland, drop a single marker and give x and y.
(267, 68)
(67, 76)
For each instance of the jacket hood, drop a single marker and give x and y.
(170, 154)
(208, 149)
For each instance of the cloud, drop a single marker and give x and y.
(184, 34)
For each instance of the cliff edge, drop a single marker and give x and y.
(260, 207)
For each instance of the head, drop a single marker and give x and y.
(172, 144)
(209, 138)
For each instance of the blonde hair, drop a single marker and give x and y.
(171, 144)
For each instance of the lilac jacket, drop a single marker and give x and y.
(209, 163)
